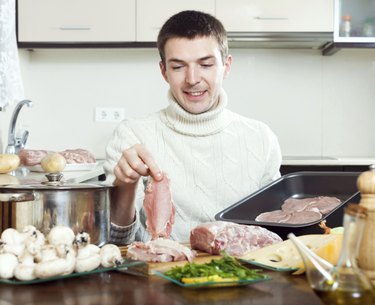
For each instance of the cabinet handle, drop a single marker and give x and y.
(271, 18)
(75, 28)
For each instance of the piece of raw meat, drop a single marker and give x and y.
(234, 239)
(30, 157)
(304, 217)
(79, 155)
(325, 204)
(296, 205)
(159, 208)
(277, 216)
(299, 211)
(159, 250)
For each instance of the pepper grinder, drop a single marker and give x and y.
(366, 257)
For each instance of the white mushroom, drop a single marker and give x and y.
(8, 263)
(34, 241)
(69, 254)
(12, 237)
(29, 231)
(46, 253)
(61, 235)
(12, 242)
(88, 258)
(56, 262)
(110, 255)
(24, 271)
(16, 249)
(82, 239)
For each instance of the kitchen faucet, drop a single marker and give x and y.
(15, 144)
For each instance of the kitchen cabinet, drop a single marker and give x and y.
(149, 22)
(276, 15)
(136, 23)
(76, 21)
(354, 25)
(355, 21)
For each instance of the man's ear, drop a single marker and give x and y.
(163, 71)
(227, 65)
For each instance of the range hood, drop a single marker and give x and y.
(280, 40)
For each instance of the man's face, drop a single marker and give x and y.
(195, 72)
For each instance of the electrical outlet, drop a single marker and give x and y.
(109, 115)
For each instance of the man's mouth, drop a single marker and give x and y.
(195, 93)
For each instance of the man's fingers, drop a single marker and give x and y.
(152, 167)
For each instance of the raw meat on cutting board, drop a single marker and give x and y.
(159, 250)
(159, 208)
(235, 239)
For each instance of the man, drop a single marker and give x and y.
(212, 156)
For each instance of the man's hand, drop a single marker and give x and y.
(135, 162)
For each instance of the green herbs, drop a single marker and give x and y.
(225, 267)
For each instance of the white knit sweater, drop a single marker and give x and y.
(213, 160)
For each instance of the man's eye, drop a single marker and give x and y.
(207, 65)
(176, 67)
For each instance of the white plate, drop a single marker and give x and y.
(68, 168)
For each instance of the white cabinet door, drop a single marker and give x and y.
(276, 15)
(151, 14)
(76, 20)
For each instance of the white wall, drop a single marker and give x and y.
(316, 105)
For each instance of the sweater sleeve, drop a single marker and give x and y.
(124, 235)
(123, 137)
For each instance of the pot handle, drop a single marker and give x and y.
(17, 197)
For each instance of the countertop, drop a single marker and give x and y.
(327, 160)
(118, 288)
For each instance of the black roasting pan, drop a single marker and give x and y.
(342, 185)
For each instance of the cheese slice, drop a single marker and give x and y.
(284, 255)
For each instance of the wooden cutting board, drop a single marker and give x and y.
(150, 268)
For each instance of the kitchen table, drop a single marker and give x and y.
(118, 288)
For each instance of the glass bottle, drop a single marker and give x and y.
(345, 283)
(346, 26)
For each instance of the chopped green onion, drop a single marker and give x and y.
(225, 267)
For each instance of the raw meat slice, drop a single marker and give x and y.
(159, 208)
(296, 205)
(305, 217)
(274, 216)
(301, 210)
(234, 239)
(325, 204)
(159, 250)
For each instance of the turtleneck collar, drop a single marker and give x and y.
(203, 124)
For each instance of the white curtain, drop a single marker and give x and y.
(11, 88)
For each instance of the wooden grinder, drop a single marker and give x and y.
(366, 256)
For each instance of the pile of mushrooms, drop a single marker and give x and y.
(30, 255)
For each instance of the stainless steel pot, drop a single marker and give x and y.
(82, 207)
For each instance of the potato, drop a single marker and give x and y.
(53, 163)
(8, 163)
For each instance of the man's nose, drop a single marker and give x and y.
(192, 76)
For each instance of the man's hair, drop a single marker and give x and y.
(191, 24)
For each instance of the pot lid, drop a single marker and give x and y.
(54, 181)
